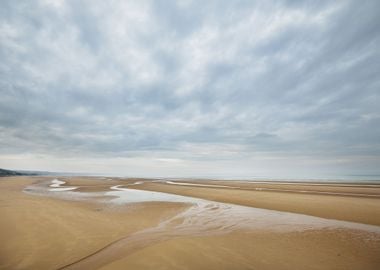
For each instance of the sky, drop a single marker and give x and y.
(226, 89)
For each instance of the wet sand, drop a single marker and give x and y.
(104, 224)
(357, 203)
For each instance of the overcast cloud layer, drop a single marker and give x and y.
(191, 88)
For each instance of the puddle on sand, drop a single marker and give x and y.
(56, 186)
(126, 195)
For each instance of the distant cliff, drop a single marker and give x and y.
(9, 173)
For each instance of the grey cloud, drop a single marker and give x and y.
(125, 78)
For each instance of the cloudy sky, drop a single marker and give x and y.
(191, 88)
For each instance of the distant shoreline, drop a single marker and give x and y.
(348, 179)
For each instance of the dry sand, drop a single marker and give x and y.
(257, 250)
(45, 232)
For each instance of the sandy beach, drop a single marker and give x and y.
(114, 223)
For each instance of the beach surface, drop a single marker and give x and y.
(116, 223)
